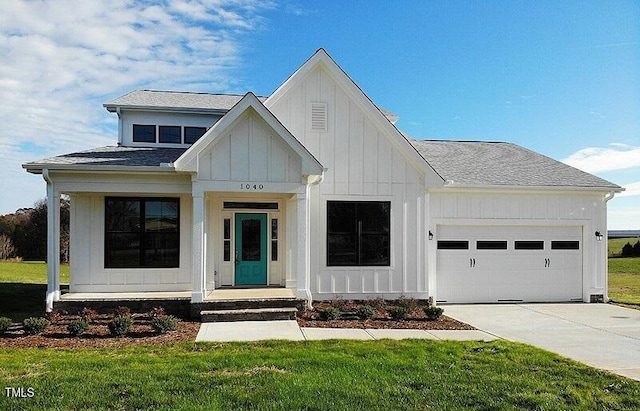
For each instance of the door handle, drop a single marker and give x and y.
(237, 262)
(472, 262)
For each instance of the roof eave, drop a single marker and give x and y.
(112, 108)
(36, 168)
(450, 186)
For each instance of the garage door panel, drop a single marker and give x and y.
(493, 275)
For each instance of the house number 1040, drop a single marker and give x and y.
(246, 186)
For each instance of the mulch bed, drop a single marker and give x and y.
(98, 336)
(416, 320)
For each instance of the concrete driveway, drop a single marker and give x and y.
(600, 335)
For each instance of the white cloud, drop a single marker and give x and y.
(63, 59)
(598, 159)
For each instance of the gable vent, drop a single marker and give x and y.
(319, 117)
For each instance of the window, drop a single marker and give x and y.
(491, 245)
(453, 245)
(565, 245)
(358, 233)
(253, 206)
(192, 134)
(169, 134)
(226, 239)
(144, 133)
(274, 239)
(529, 245)
(142, 232)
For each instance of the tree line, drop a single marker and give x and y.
(23, 234)
(629, 250)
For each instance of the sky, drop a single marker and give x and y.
(560, 78)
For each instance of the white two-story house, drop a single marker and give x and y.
(313, 190)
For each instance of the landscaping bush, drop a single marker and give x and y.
(89, 315)
(120, 325)
(409, 303)
(157, 312)
(78, 327)
(5, 323)
(432, 312)
(164, 324)
(338, 302)
(378, 303)
(366, 312)
(399, 313)
(330, 313)
(123, 311)
(35, 325)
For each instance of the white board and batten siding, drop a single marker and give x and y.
(87, 225)
(547, 274)
(363, 163)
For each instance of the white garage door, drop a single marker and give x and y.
(508, 263)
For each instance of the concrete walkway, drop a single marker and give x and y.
(289, 330)
(600, 335)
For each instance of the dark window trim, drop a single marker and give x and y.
(165, 127)
(528, 245)
(453, 244)
(565, 245)
(359, 236)
(491, 244)
(155, 133)
(141, 232)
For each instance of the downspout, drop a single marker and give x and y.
(53, 238)
(607, 197)
(119, 126)
(307, 254)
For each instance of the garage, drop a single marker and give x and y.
(508, 263)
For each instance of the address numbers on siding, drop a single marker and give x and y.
(251, 187)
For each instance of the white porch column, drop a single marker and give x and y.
(53, 242)
(198, 250)
(303, 259)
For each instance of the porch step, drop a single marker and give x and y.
(249, 314)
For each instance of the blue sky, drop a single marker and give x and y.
(561, 78)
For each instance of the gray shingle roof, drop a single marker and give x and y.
(176, 99)
(112, 156)
(478, 163)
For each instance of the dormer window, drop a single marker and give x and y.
(169, 134)
(192, 134)
(144, 133)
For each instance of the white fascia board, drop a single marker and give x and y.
(322, 58)
(36, 168)
(452, 188)
(189, 110)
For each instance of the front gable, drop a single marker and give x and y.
(249, 145)
(359, 146)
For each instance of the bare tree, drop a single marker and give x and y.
(7, 250)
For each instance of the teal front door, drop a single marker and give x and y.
(251, 249)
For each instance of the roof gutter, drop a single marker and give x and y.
(451, 185)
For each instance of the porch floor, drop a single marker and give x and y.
(159, 295)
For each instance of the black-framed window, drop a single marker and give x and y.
(226, 239)
(358, 233)
(144, 133)
(192, 134)
(169, 134)
(142, 232)
(529, 245)
(491, 245)
(453, 245)
(274, 239)
(565, 245)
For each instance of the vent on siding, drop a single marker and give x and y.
(319, 117)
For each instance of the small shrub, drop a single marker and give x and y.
(366, 312)
(378, 303)
(164, 324)
(432, 312)
(5, 323)
(399, 313)
(120, 325)
(330, 313)
(123, 311)
(338, 302)
(35, 325)
(78, 327)
(54, 316)
(409, 303)
(157, 312)
(89, 315)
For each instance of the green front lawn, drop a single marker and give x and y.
(624, 279)
(318, 375)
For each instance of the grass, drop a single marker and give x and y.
(312, 375)
(624, 280)
(23, 287)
